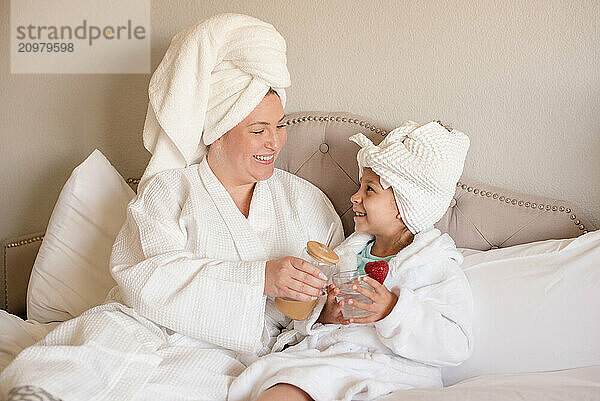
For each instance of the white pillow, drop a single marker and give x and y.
(536, 308)
(17, 334)
(71, 272)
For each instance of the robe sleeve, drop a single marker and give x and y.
(275, 322)
(432, 324)
(217, 301)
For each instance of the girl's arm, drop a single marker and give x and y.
(432, 324)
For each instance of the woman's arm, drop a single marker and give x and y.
(221, 302)
(218, 301)
(159, 275)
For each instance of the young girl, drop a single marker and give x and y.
(420, 316)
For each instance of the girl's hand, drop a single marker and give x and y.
(332, 311)
(383, 301)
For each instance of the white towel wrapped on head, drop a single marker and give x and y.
(422, 164)
(211, 78)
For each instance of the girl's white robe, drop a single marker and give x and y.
(189, 308)
(429, 327)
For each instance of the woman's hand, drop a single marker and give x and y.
(383, 301)
(294, 278)
(332, 311)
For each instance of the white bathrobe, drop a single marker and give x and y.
(429, 327)
(190, 269)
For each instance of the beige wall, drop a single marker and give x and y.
(521, 78)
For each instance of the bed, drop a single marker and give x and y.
(532, 261)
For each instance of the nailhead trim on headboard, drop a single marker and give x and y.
(337, 118)
(25, 241)
(14, 245)
(516, 202)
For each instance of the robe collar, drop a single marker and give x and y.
(428, 248)
(247, 243)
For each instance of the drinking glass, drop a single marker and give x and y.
(344, 282)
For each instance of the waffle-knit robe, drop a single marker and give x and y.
(429, 327)
(189, 308)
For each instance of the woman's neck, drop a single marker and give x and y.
(241, 193)
(390, 245)
(242, 197)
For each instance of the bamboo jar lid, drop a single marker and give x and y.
(321, 253)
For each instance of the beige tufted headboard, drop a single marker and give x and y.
(480, 216)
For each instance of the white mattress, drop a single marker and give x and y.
(17, 334)
(571, 384)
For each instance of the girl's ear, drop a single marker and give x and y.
(398, 216)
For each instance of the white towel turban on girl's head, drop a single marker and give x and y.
(421, 164)
(213, 75)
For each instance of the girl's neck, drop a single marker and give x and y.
(390, 245)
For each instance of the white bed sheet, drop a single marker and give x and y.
(16, 334)
(570, 384)
(579, 384)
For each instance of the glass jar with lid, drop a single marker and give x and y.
(322, 257)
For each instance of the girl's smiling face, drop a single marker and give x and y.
(375, 209)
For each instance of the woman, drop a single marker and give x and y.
(208, 241)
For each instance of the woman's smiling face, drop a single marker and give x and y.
(375, 210)
(246, 154)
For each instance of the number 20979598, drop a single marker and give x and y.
(48, 47)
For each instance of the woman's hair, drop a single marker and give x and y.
(272, 92)
(449, 128)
